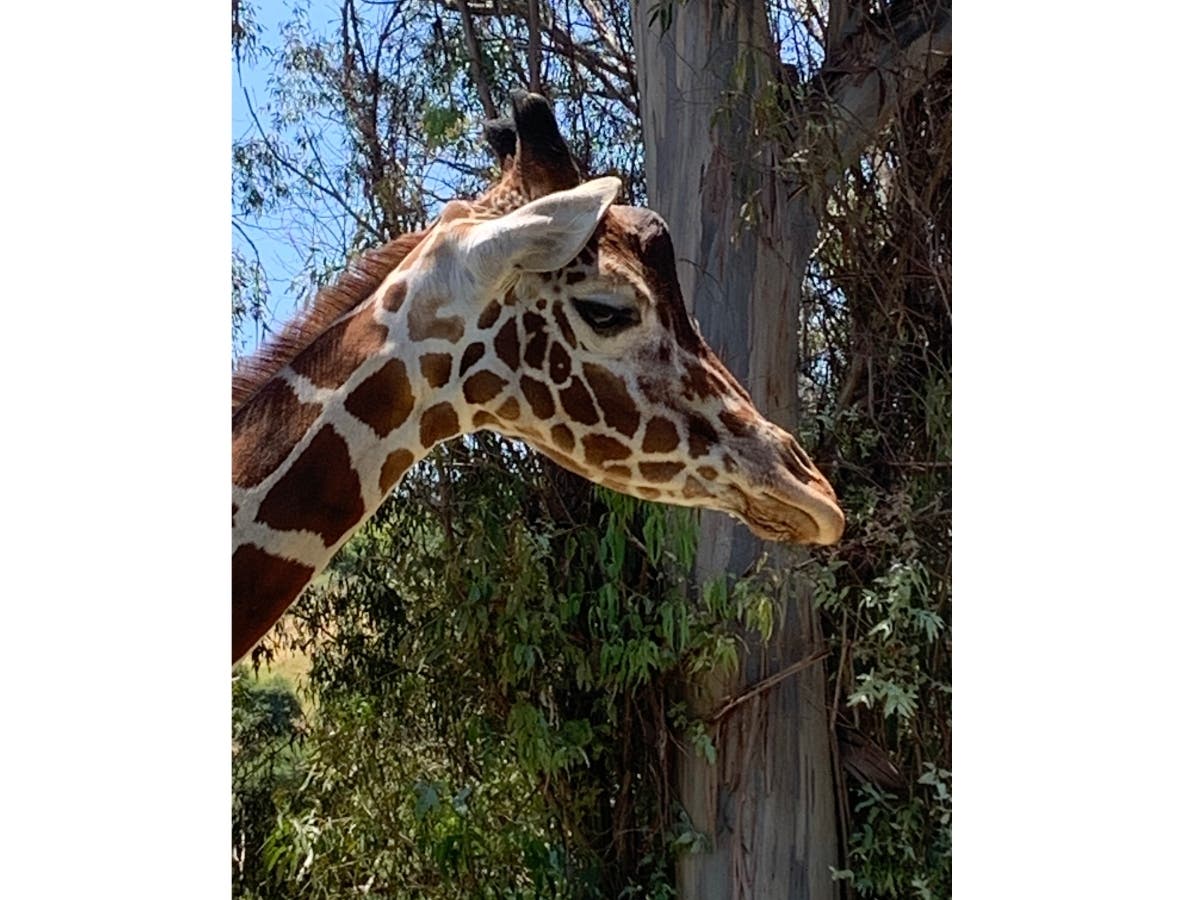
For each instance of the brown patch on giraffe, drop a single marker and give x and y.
(600, 448)
(540, 399)
(362, 278)
(425, 324)
(708, 473)
(384, 400)
(535, 340)
(699, 381)
(660, 471)
(738, 425)
(508, 348)
(692, 488)
(619, 471)
(510, 409)
(619, 409)
(564, 326)
(394, 466)
(482, 387)
(649, 493)
(484, 419)
(319, 492)
(264, 585)
(577, 403)
(470, 356)
(438, 422)
(560, 363)
(701, 435)
(660, 436)
(563, 437)
(265, 430)
(490, 314)
(436, 368)
(541, 304)
(729, 384)
(334, 356)
(393, 297)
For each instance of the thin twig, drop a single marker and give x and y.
(308, 179)
(766, 684)
(535, 47)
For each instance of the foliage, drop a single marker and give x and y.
(267, 740)
(877, 352)
(491, 717)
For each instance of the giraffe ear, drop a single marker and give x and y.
(541, 236)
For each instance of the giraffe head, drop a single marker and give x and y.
(541, 311)
(576, 340)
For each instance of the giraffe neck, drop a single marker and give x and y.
(319, 446)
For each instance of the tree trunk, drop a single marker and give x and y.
(768, 803)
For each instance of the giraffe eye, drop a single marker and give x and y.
(604, 318)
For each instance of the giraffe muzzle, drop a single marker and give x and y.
(792, 501)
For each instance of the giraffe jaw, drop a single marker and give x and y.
(777, 491)
(803, 517)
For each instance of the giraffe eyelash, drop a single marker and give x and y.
(604, 318)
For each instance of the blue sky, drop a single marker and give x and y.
(275, 240)
(283, 237)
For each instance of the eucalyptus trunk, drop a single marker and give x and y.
(716, 168)
(768, 803)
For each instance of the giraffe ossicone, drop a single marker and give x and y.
(542, 311)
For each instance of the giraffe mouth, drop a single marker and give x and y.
(791, 511)
(775, 518)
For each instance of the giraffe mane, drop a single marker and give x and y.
(359, 281)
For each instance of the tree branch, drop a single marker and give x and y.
(563, 43)
(535, 47)
(308, 179)
(887, 58)
(481, 85)
(606, 33)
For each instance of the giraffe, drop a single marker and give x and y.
(542, 311)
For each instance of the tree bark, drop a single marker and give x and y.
(768, 803)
